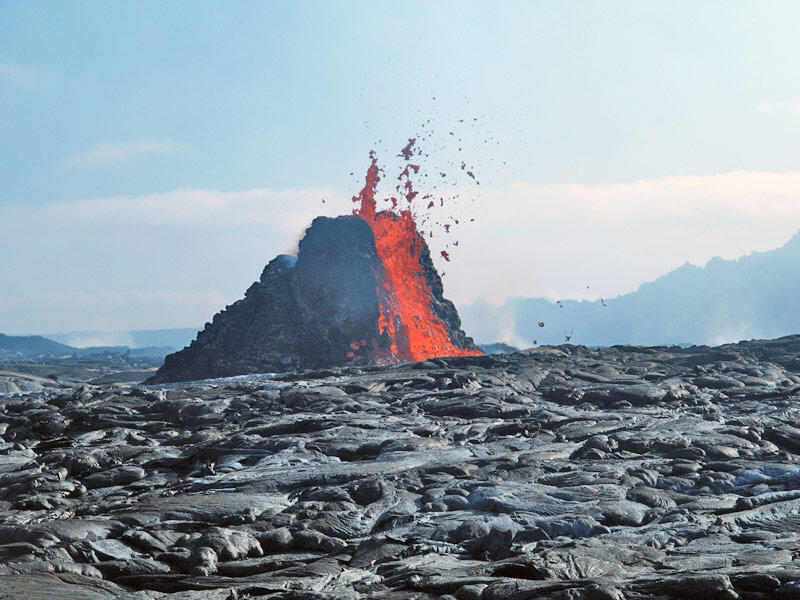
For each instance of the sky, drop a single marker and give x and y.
(154, 156)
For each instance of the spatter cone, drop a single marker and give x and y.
(327, 307)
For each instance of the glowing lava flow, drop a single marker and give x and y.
(406, 312)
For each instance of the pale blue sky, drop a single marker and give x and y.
(104, 99)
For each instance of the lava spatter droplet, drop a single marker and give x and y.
(408, 150)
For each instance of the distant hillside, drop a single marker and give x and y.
(144, 352)
(28, 346)
(755, 296)
(36, 346)
(175, 339)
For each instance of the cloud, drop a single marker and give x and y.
(192, 208)
(108, 155)
(791, 108)
(109, 310)
(20, 75)
(173, 259)
(531, 239)
(139, 262)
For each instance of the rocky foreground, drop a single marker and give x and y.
(562, 473)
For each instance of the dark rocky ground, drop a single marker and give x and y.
(61, 373)
(563, 473)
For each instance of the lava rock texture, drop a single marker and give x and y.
(561, 473)
(318, 310)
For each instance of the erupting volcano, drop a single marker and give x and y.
(362, 290)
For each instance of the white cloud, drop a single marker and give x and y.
(109, 310)
(528, 239)
(106, 155)
(191, 208)
(20, 75)
(792, 108)
(554, 240)
(139, 262)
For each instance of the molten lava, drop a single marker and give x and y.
(407, 316)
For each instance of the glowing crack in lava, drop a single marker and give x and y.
(407, 316)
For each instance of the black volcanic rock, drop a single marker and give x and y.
(335, 284)
(555, 473)
(318, 310)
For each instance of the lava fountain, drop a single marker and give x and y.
(407, 316)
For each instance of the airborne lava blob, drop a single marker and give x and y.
(407, 316)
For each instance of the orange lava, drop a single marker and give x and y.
(406, 314)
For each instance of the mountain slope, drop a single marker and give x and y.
(755, 296)
(172, 338)
(13, 346)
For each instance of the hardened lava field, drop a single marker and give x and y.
(561, 473)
